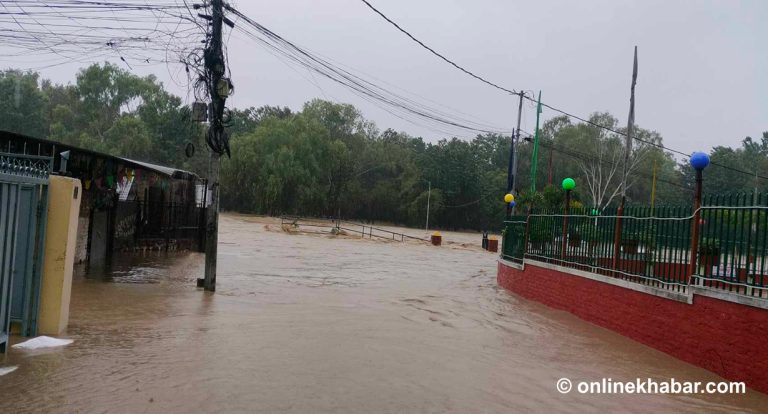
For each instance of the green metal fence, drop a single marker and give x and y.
(652, 246)
(734, 244)
(513, 239)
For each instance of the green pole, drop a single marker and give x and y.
(535, 156)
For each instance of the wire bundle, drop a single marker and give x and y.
(139, 33)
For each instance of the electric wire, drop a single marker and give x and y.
(530, 98)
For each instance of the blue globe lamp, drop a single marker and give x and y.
(699, 160)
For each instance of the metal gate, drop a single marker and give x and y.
(23, 203)
(513, 239)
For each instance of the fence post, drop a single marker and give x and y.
(699, 161)
(527, 230)
(568, 185)
(617, 237)
(565, 225)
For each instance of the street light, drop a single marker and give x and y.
(568, 185)
(429, 194)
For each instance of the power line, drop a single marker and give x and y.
(654, 144)
(587, 158)
(568, 114)
(395, 104)
(83, 30)
(452, 63)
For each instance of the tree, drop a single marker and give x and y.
(22, 104)
(247, 120)
(327, 159)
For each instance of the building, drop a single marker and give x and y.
(100, 203)
(127, 205)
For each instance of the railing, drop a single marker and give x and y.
(28, 168)
(513, 239)
(733, 247)
(364, 230)
(654, 244)
(651, 248)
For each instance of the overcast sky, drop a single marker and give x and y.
(703, 65)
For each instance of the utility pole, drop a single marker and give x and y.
(535, 154)
(429, 194)
(218, 90)
(549, 166)
(517, 140)
(627, 152)
(630, 128)
(512, 169)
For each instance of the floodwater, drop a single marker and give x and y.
(313, 323)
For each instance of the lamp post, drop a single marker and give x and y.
(568, 185)
(508, 200)
(699, 161)
(429, 194)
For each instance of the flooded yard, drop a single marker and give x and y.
(315, 323)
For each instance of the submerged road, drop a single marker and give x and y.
(310, 323)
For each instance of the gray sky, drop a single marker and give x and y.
(700, 62)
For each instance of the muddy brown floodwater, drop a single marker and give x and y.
(309, 323)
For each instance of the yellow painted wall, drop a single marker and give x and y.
(64, 196)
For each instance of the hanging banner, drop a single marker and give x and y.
(124, 187)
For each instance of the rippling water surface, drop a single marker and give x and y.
(309, 323)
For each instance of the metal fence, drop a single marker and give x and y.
(333, 224)
(513, 239)
(734, 244)
(23, 218)
(652, 246)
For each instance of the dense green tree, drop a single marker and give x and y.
(22, 103)
(327, 159)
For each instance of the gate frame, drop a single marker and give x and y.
(23, 170)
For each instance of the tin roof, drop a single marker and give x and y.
(60, 147)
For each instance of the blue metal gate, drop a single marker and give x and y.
(23, 203)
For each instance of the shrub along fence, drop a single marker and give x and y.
(655, 244)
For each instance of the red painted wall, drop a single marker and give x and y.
(723, 337)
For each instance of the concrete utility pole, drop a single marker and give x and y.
(512, 170)
(630, 129)
(517, 140)
(627, 152)
(535, 154)
(218, 89)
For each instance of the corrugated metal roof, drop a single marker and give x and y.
(169, 171)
